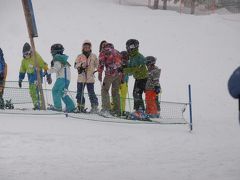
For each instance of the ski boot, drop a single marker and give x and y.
(1, 103)
(94, 110)
(9, 104)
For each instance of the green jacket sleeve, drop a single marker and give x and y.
(22, 67)
(42, 64)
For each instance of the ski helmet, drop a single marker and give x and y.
(132, 45)
(150, 60)
(57, 49)
(27, 50)
(87, 42)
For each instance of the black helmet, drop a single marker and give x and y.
(26, 49)
(132, 44)
(150, 60)
(57, 49)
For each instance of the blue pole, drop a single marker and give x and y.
(65, 81)
(190, 106)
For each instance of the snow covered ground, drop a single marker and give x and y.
(200, 50)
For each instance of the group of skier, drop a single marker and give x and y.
(117, 67)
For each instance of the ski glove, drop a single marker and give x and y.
(157, 89)
(49, 79)
(20, 83)
(52, 63)
(81, 69)
(100, 77)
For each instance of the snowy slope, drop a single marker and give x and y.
(200, 50)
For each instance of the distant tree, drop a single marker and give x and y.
(155, 4)
(193, 5)
(164, 4)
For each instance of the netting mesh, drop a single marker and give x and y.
(170, 112)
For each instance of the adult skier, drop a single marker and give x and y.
(137, 68)
(3, 75)
(86, 64)
(110, 59)
(61, 67)
(152, 88)
(28, 66)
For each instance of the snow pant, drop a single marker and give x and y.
(123, 95)
(158, 102)
(59, 92)
(35, 95)
(138, 89)
(91, 94)
(1, 94)
(109, 81)
(151, 103)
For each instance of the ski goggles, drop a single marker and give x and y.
(27, 53)
(132, 47)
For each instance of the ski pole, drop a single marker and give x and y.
(45, 86)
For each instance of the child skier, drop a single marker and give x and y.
(86, 64)
(153, 87)
(3, 75)
(28, 66)
(111, 60)
(137, 68)
(61, 67)
(124, 82)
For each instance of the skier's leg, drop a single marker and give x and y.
(151, 106)
(66, 98)
(34, 95)
(80, 96)
(57, 92)
(105, 93)
(92, 96)
(138, 90)
(115, 94)
(123, 95)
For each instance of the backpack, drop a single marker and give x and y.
(2, 64)
(234, 84)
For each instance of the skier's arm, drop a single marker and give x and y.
(56, 68)
(5, 72)
(77, 63)
(22, 71)
(156, 77)
(96, 62)
(129, 70)
(101, 63)
(42, 64)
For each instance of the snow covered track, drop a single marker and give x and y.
(170, 112)
(81, 116)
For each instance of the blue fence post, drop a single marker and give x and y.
(190, 106)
